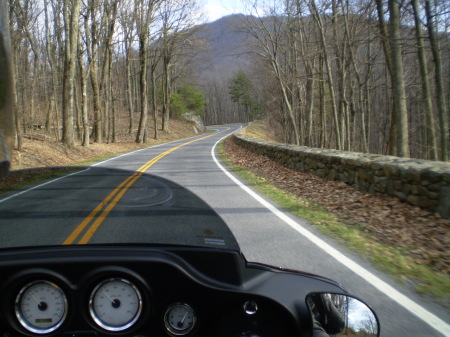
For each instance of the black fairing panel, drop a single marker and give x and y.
(216, 283)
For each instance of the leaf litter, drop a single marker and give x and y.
(425, 236)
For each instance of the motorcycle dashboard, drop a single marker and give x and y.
(132, 290)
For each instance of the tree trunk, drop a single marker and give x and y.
(154, 105)
(71, 15)
(398, 82)
(318, 20)
(129, 92)
(92, 52)
(426, 93)
(84, 102)
(166, 95)
(143, 125)
(440, 91)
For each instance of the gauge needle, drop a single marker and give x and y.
(41, 305)
(34, 298)
(115, 303)
(109, 298)
(182, 321)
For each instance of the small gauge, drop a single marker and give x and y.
(115, 304)
(180, 319)
(41, 307)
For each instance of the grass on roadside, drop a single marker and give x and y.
(259, 130)
(18, 179)
(94, 160)
(389, 259)
(22, 178)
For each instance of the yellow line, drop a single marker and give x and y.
(90, 232)
(118, 192)
(71, 238)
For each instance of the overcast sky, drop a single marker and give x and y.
(216, 9)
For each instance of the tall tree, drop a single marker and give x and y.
(268, 38)
(398, 80)
(331, 87)
(177, 19)
(240, 90)
(144, 16)
(440, 91)
(7, 93)
(93, 27)
(127, 26)
(426, 91)
(71, 28)
(84, 96)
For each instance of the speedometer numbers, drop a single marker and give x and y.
(41, 307)
(115, 304)
(179, 319)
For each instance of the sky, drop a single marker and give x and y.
(216, 9)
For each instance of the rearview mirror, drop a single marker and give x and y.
(342, 315)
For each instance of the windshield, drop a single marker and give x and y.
(91, 79)
(95, 205)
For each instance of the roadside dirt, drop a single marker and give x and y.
(425, 235)
(40, 151)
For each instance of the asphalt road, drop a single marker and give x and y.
(65, 212)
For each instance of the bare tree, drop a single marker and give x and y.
(440, 93)
(426, 91)
(177, 19)
(7, 92)
(93, 26)
(71, 15)
(127, 26)
(144, 15)
(269, 38)
(84, 97)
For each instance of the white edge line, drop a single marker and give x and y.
(101, 162)
(414, 308)
(41, 185)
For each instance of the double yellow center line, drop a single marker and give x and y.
(103, 208)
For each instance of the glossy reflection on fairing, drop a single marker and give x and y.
(106, 206)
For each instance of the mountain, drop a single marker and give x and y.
(226, 48)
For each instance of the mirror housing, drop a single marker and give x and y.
(341, 315)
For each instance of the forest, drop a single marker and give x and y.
(355, 75)
(365, 76)
(89, 70)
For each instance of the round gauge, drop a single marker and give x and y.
(41, 307)
(115, 304)
(180, 319)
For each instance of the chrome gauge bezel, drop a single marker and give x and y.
(173, 330)
(24, 321)
(115, 328)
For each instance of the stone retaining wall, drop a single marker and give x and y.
(421, 183)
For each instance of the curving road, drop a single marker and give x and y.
(86, 207)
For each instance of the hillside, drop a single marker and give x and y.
(227, 47)
(39, 151)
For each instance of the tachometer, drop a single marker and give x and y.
(41, 307)
(115, 304)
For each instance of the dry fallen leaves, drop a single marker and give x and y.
(425, 235)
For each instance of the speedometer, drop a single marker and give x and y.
(41, 307)
(115, 304)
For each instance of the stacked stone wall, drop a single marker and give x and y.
(422, 183)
